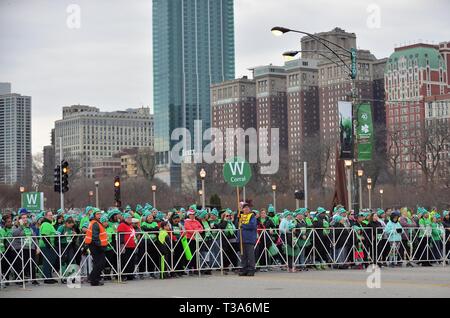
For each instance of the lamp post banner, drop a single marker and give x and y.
(346, 129)
(364, 132)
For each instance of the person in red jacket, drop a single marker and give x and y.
(127, 235)
(193, 231)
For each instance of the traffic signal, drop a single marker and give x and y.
(65, 176)
(57, 180)
(299, 195)
(354, 63)
(118, 203)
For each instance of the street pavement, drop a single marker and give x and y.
(393, 282)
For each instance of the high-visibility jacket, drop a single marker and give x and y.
(103, 236)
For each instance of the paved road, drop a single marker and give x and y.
(395, 282)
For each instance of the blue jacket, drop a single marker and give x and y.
(249, 231)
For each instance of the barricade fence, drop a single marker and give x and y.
(144, 254)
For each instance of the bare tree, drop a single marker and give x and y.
(145, 160)
(394, 152)
(428, 148)
(37, 170)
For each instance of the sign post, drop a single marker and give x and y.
(237, 173)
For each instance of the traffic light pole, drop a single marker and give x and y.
(305, 182)
(61, 193)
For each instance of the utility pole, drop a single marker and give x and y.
(61, 193)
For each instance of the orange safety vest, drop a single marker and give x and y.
(103, 235)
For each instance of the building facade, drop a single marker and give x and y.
(233, 106)
(302, 115)
(89, 135)
(15, 137)
(416, 85)
(335, 85)
(193, 47)
(271, 103)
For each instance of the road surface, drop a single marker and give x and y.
(393, 282)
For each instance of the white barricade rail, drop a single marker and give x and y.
(270, 249)
(67, 257)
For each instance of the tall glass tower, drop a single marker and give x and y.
(193, 47)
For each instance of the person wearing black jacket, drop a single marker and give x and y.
(382, 250)
(341, 241)
(97, 249)
(320, 224)
(265, 228)
(230, 246)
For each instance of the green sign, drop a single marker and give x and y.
(33, 201)
(354, 63)
(364, 132)
(237, 172)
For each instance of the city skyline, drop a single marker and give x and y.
(59, 66)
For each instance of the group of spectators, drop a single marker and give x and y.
(146, 242)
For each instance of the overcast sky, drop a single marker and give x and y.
(107, 62)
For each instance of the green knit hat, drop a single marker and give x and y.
(320, 210)
(215, 212)
(270, 209)
(380, 212)
(286, 213)
(126, 215)
(202, 214)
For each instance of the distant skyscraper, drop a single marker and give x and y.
(193, 47)
(15, 136)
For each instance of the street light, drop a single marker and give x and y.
(381, 197)
(369, 187)
(96, 193)
(203, 176)
(279, 31)
(22, 189)
(360, 174)
(274, 189)
(154, 195)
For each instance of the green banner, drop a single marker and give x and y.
(364, 132)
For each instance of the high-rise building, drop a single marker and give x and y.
(233, 106)
(271, 103)
(335, 85)
(193, 47)
(417, 88)
(15, 137)
(302, 116)
(89, 135)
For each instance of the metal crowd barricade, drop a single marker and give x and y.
(270, 249)
(69, 258)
